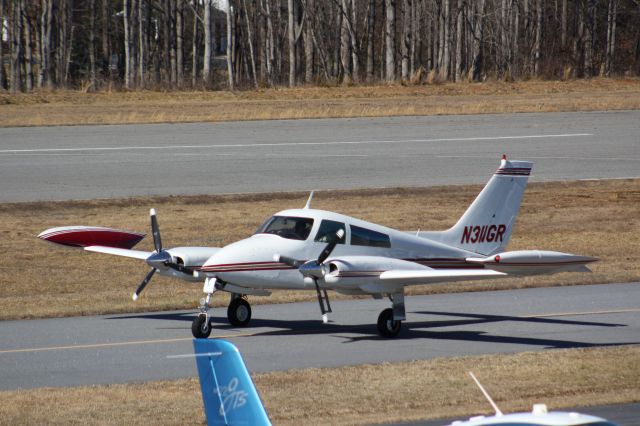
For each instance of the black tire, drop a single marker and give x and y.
(387, 326)
(239, 312)
(201, 328)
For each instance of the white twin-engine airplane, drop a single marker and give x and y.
(321, 250)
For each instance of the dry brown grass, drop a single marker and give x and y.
(599, 218)
(357, 395)
(69, 107)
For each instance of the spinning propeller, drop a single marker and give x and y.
(316, 269)
(160, 259)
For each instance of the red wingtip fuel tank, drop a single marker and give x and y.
(84, 236)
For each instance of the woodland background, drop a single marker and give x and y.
(183, 44)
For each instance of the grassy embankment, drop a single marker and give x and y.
(597, 218)
(357, 395)
(75, 107)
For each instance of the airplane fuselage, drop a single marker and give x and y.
(250, 262)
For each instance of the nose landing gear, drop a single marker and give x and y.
(238, 311)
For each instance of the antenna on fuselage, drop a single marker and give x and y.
(486, 395)
(306, 206)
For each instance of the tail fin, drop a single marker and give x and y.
(229, 395)
(486, 226)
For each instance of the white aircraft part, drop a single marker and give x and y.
(486, 226)
(438, 275)
(133, 254)
(528, 262)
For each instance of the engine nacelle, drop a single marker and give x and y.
(364, 268)
(191, 256)
(534, 262)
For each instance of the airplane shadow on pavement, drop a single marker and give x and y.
(410, 330)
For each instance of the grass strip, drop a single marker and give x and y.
(66, 107)
(595, 218)
(357, 395)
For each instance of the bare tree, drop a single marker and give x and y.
(612, 11)
(390, 40)
(230, 44)
(371, 23)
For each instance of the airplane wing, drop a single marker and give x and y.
(134, 254)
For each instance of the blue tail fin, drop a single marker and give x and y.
(229, 395)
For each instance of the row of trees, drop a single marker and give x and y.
(184, 43)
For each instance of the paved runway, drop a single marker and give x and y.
(136, 347)
(85, 162)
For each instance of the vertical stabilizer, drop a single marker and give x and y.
(229, 395)
(486, 226)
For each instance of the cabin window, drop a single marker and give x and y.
(367, 237)
(292, 228)
(328, 229)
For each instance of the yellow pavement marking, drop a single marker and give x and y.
(231, 336)
(114, 344)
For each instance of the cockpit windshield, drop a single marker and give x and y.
(293, 228)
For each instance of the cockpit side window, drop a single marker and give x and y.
(328, 229)
(367, 237)
(292, 228)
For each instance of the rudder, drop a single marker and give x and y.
(486, 226)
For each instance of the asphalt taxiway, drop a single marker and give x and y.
(139, 347)
(87, 162)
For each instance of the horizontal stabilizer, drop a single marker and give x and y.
(527, 262)
(84, 236)
(437, 275)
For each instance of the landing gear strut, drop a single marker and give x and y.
(390, 320)
(201, 326)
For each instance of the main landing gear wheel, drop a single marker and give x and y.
(239, 312)
(201, 327)
(387, 326)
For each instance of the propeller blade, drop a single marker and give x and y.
(143, 284)
(155, 230)
(332, 245)
(295, 263)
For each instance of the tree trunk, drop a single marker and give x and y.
(141, 45)
(92, 44)
(371, 23)
(588, 39)
(345, 44)
(563, 25)
(250, 40)
(446, 60)
(127, 45)
(292, 43)
(179, 15)
(537, 55)
(230, 45)
(2, 71)
(355, 65)
(28, 49)
(310, 8)
(612, 12)
(106, 52)
(206, 65)
(15, 31)
(459, 20)
(390, 40)
(478, 32)
(405, 45)
(516, 32)
(269, 43)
